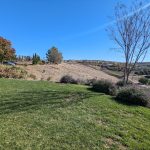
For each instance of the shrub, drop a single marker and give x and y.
(68, 79)
(12, 72)
(49, 78)
(25, 64)
(148, 76)
(91, 81)
(32, 76)
(44, 71)
(41, 62)
(104, 86)
(121, 83)
(35, 59)
(133, 96)
(81, 81)
(144, 80)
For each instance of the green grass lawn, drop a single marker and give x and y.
(39, 115)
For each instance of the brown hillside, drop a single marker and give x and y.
(77, 71)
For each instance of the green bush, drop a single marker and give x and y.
(133, 96)
(105, 86)
(35, 59)
(68, 79)
(144, 80)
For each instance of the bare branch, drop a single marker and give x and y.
(132, 33)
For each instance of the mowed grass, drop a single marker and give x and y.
(37, 115)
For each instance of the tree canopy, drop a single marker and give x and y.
(54, 56)
(6, 50)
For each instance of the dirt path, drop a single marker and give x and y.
(77, 71)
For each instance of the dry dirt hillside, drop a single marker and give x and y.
(55, 72)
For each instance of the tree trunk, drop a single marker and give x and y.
(125, 78)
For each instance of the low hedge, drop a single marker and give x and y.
(105, 86)
(133, 95)
(68, 79)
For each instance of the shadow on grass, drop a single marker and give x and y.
(95, 91)
(128, 103)
(122, 102)
(113, 98)
(33, 100)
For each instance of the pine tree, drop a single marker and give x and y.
(54, 56)
(35, 59)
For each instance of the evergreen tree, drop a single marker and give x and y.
(54, 56)
(35, 59)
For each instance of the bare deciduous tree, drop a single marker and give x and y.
(131, 31)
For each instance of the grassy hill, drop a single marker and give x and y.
(42, 115)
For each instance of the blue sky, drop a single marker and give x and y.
(70, 25)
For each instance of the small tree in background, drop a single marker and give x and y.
(54, 56)
(35, 59)
(6, 50)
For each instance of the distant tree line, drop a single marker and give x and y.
(24, 58)
(53, 56)
(7, 53)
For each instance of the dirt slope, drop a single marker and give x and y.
(55, 72)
